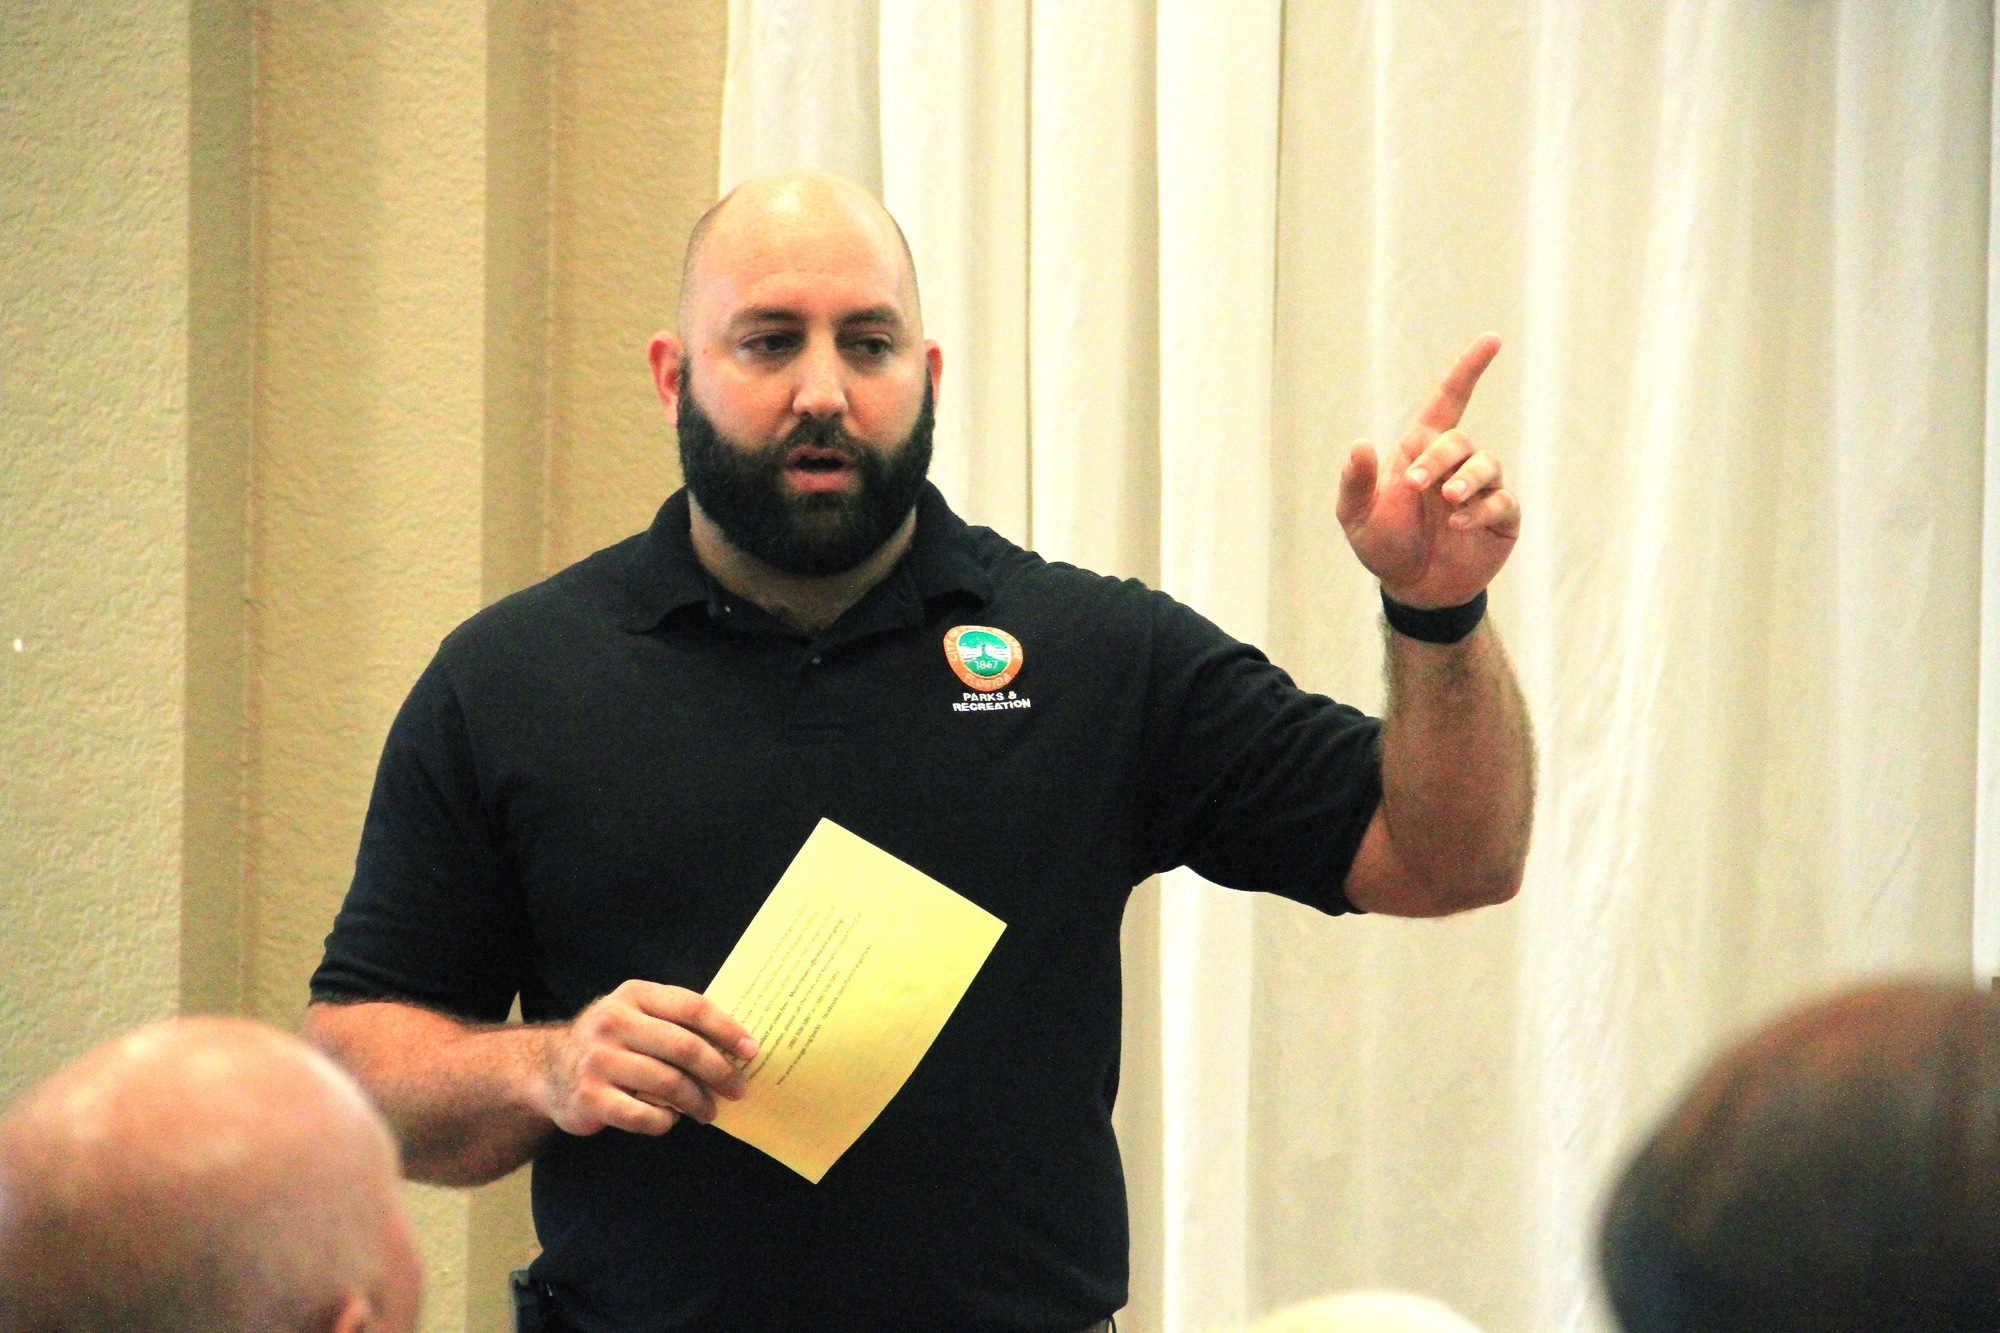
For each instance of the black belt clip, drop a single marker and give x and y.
(531, 1303)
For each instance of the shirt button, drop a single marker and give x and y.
(815, 661)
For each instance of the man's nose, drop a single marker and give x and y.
(822, 390)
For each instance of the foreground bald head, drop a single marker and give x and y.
(1838, 1171)
(1370, 1311)
(202, 1174)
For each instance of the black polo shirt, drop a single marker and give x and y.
(601, 778)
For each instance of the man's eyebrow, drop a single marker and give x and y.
(778, 314)
(878, 314)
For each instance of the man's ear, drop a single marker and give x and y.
(664, 351)
(934, 362)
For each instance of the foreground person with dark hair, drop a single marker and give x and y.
(1840, 1170)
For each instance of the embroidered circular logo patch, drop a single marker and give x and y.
(984, 658)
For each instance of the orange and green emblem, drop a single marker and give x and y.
(984, 658)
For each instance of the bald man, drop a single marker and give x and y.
(1366, 1311)
(1838, 1172)
(199, 1176)
(597, 781)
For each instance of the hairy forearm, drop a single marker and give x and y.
(1458, 771)
(463, 1100)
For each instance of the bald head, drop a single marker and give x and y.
(201, 1174)
(785, 209)
(1366, 1312)
(1840, 1170)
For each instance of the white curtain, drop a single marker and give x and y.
(1180, 253)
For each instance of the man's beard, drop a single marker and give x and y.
(743, 489)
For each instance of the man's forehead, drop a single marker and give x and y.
(773, 243)
(749, 260)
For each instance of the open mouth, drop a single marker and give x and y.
(808, 459)
(814, 467)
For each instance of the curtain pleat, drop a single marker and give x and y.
(1910, 203)
(801, 90)
(1179, 253)
(1986, 871)
(955, 173)
(1217, 153)
(1094, 307)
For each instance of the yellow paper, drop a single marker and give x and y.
(844, 977)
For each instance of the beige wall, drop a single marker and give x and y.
(124, 297)
(297, 382)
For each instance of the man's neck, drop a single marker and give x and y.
(809, 603)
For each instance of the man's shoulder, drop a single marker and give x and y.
(1018, 572)
(589, 597)
(1069, 591)
(1113, 614)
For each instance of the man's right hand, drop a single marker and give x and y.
(641, 1058)
(470, 1103)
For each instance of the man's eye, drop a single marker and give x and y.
(873, 348)
(770, 344)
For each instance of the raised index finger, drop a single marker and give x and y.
(1447, 405)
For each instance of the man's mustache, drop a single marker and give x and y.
(824, 433)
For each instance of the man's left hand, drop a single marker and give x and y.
(1431, 519)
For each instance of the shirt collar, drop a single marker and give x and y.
(942, 557)
(667, 577)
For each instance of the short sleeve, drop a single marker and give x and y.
(432, 917)
(1247, 779)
